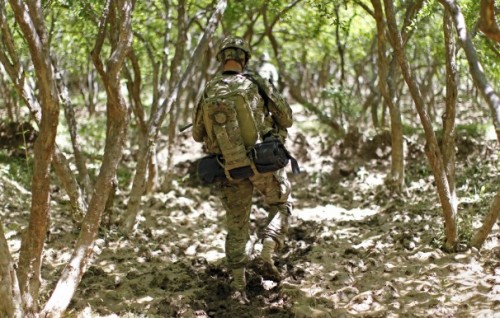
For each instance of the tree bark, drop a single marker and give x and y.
(490, 96)
(118, 15)
(158, 116)
(32, 26)
(396, 178)
(432, 148)
(448, 146)
(10, 295)
(475, 68)
(487, 22)
(491, 218)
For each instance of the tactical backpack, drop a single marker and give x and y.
(229, 106)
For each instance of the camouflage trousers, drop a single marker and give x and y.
(236, 197)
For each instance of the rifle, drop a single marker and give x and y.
(186, 127)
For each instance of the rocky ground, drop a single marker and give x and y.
(354, 249)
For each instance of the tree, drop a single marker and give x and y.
(433, 151)
(491, 98)
(158, 116)
(31, 20)
(487, 22)
(116, 16)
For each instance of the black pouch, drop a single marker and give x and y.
(241, 172)
(210, 170)
(271, 155)
(268, 156)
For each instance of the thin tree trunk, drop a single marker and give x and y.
(12, 65)
(489, 95)
(432, 149)
(80, 159)
(475, 68)
(174, 78)
(10, 295)
(489, 221)
(448, 146)
(32, 26)
(158, 116)
(118, 15)
(396, 179)
(340, 46)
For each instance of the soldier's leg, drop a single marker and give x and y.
(236, 198)
(276, 190)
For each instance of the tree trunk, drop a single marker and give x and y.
(487, 22)
(490, 96)
(432, 149)
(396, 179)
(158, 116)
(10, 295)
(485, 230)
(12, 65)
(175, 73)
(476, 70)
(80, 159)
(448, 146)
(118, 15)
(30, 19)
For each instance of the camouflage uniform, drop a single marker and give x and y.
(236, 195)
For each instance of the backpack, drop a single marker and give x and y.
(229, 106)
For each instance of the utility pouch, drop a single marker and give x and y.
(210, 170)
(268, 156)
(271, 155)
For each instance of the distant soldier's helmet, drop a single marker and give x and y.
(234, 48)
(265, 57)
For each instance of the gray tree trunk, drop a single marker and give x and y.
(475, 68)
(448, 145)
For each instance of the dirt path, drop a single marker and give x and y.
(353, 250)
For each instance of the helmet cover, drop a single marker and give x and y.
(233, 47)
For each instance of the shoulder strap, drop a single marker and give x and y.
(262, 92)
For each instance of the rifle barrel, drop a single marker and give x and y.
(182, 129)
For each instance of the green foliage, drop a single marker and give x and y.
(342, 100)
(93, 132)
(472, 130)
(16, 168)
(124, 174)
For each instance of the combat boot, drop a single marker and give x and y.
(264, 264)
(238, 286)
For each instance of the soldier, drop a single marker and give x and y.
(267, 70)
(272, 115)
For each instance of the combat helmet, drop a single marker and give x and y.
(235, 48)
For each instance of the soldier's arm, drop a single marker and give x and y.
(281, 111)
(278, 106)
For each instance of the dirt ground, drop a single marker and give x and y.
(353, 250)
